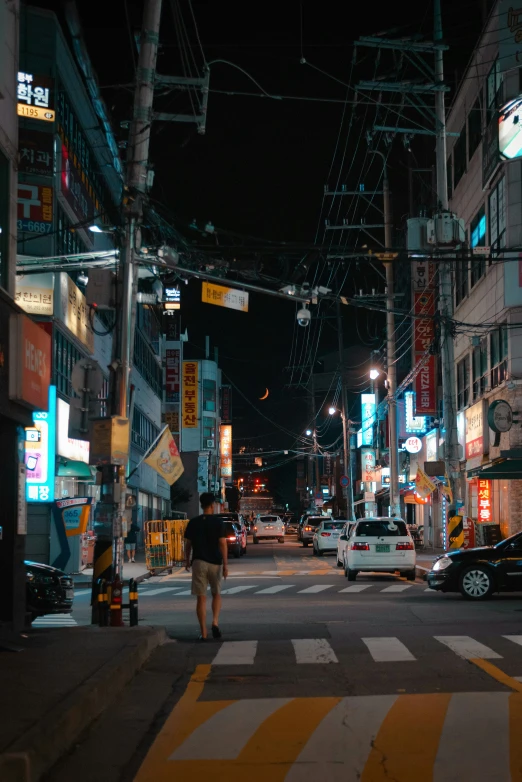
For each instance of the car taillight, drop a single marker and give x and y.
(308, 529)
(325, 534)
(360, 547)
(404, 546)
(255, 529)
(231, 537)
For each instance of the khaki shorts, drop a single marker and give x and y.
(205, 574)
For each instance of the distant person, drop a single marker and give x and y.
(205, 539)
(131, 541)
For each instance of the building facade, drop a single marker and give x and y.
(485, 186)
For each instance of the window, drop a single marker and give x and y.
(459, 157)
(381, 529)
(498, 349)
(474, 127)
(209, 427)
(65, 357)
(493, 85)
(209, 395)
(144, 432)
(477, 235)
(480, 369)
(463, 383)
(68, 242)
(497, 217)
(146, 364)
(5, 206)
(461, 281)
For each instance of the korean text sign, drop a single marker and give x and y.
(29, 362)
(40, 453)
(231, 298)
(484, 505)
(35, 208)
(172, 361)
(189, 402)
(226, 450)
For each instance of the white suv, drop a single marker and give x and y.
(342, 543)
(381, 544)
(326, 536)
(269, 528)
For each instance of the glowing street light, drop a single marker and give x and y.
(374, 374)
(308, 433)
(332, 410)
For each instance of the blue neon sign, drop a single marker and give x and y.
(367, 418)
(40, 453)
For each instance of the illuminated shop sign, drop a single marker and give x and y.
(415, 424)
(368, 418)
(40, 453)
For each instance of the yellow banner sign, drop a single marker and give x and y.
(423, 485)
(189, 395)
(165, 458)
(230, 298)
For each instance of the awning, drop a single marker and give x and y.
(70, 468)
(501, 470)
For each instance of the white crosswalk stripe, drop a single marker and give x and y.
(160, 591)
(236, 653)
(313, 590)
(313, 650)
(356, 588)
(517, 639)
(397, 588)
(387, 650)
(81, 592)
(55, 620)
(274, 590)
(236, 590)
(467, 647)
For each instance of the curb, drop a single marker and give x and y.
(49, 739)
(86, 584)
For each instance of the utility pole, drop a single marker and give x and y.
(314, 434)
(451, 456)
(391, 370)
(137, 184)
(347, 466)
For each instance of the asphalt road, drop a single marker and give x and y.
(317, 680)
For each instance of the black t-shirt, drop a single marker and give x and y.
(204, 533)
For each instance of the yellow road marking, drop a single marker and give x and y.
(497, 674)
(515, 745)
(407, 742)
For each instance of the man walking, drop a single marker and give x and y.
(205, 539)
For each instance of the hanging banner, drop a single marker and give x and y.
(189, 403)
(424, 296)
(424, 327)
(426, 387)
(165, 458)
(74, 514)
(423, 485)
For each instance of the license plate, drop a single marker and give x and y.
(382, 548)
(335, 534)
(69, 594)
(270, 527)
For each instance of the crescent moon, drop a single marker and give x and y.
(265, 396)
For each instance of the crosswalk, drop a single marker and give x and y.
(55, 620)
(381, 649)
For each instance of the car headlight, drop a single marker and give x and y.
(442, 563)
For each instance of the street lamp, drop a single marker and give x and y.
(395, 506)
(308, 433)
(332, 410)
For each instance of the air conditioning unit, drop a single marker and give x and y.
(210, 443)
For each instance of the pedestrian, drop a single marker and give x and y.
(205, 539)
(131, 540)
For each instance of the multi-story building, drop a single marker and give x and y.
(70, 179)
(485, 184)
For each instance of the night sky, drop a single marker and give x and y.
(261, 167)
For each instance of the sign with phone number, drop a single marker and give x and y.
(32, 226)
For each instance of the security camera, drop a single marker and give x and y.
(304, 317)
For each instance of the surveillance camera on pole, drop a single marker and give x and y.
(304, 316)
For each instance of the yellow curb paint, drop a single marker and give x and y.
(497, 674)
(406, 745)
(515, 744)
(188, 714)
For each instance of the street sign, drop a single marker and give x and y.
(344, 481)
(385, 256)
(221, 296)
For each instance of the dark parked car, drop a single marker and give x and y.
(478, 572)
(48, 590)
(237, 518)
(234, 536)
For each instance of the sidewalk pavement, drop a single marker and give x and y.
(137, 570)
(57, 684)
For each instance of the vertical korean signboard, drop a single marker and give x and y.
(40, 453)
(226, 404)
(367, 418)
(226, 451)
(189, 402)
(172, 368)
(424, 292)
(484, 509)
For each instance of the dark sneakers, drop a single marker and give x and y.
(216, 632)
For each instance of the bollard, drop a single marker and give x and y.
(116, 604)
(103, 603)
(133, 602)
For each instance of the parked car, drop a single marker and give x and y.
(478, 572)
(381, 544)
(291, 525)
(234, 538)
(48, 590)
(269, 528)
(307, 527)
(326, 536)
(237, 518)
(342, 542)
